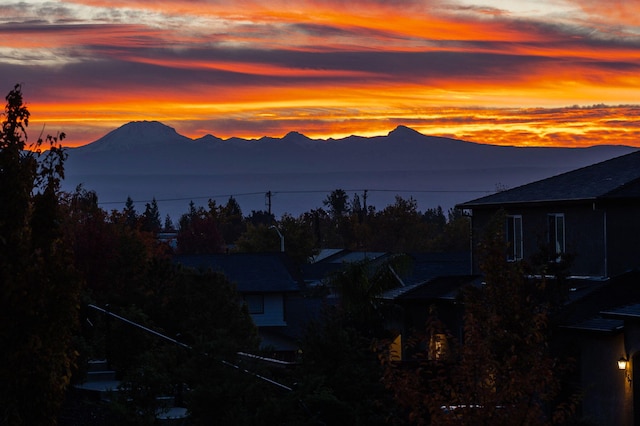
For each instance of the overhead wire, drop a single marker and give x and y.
(307, 191)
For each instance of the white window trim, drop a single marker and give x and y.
(515, 253)
(558, 250)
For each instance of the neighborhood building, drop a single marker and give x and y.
(589, 219)
(268, 284)
(590, 213)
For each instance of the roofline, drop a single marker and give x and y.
(472, 205)
(606, 198)
(595, 330)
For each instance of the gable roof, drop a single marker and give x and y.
(615, 178)
(250, 272)
(329, 261)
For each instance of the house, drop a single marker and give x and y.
(409, 307)
(600, 330)
(592, 217)
(425, 280)
(268, 283)
(280, 298)
(592, 214)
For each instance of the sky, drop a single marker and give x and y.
(507, 72)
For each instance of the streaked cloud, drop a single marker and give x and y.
(493, 71)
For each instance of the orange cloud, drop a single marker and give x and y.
(329, 68)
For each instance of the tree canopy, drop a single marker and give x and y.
(503, 371)
(39, 291)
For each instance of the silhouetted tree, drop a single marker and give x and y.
(39, 289)
(229, 219)
(340, 373)
(260, 217)
(338, 203)
(399, 228)
(199, 233)
(150, 219)
(258, 239)
(435, 216)
(130, 213)
(168, 224)
(112, 257)
(298, 236)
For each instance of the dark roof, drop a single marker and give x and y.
(426, 266)
(615, 178)
(300, 311)
(614, 298)
(624, 312)
(602, 325)
(442, 288)
(334, 260)
(250, 272)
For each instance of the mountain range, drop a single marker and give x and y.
(145, 160)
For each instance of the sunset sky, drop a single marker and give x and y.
(538, 72)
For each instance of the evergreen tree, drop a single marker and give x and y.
(168, 224)
(151, 217)
(338, 203)
(199, 232)
(39, 290)
(229, 219)
(130, 213)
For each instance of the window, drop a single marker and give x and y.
(555, 235)
(255, 303)
(438, 346)
(514, 237)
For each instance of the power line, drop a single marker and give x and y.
(184, 345)
(201, 197)
(309, 191)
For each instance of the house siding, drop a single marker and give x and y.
(623, 234)
(585, 237)
(607, 395)
(273, 315)
(584, 234)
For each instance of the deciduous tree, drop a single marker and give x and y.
(199, 233)
(503, 371)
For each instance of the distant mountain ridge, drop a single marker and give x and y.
(152, 147)
(148, 159)
(134, 135)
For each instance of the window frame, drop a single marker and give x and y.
(513, 236)
(557, 246)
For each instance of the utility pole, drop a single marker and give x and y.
(268, 201)
(364, 198)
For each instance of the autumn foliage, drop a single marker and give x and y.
(39, 288)
(502, 372)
